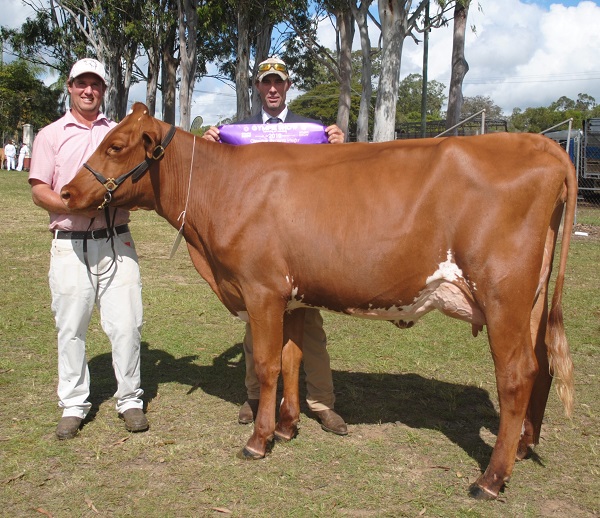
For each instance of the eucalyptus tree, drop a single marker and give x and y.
(110, 30)
(246, 39)
(65, 30)
(344, 24)
(460, 67)
(306, 54)
(360, 12)
(472, 105)
(24, 98)
(156, 35)
(188, 28)
(50, 39)
(398, 20)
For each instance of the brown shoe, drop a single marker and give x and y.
(248, 411)
(135, 420)
(68, 427)
(332, 422)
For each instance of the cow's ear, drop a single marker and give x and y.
(151, 140)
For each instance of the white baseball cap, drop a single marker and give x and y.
(88, 66)
(273, 65)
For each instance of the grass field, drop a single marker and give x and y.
(420, 403)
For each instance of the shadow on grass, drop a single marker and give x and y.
(458, 411)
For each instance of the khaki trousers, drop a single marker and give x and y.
(319, 382)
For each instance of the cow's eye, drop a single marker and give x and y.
(115, 148)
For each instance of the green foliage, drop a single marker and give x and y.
(49, 40)
(24, 99)
(308, 72)
(535, 120)
(322, 103)
(472, 105)
(410, 89)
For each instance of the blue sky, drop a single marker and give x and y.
(524, 53)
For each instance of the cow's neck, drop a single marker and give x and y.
(181, 196)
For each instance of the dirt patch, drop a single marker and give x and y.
(592, 231)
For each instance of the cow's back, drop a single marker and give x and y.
(369, 223)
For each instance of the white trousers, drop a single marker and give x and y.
(21, 162)
(117, 291)
(10, 163)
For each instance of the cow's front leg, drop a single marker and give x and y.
(267, 335)
(289, 411)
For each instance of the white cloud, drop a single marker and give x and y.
(14, 13)
(522, 54)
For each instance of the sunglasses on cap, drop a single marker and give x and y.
(280, 67)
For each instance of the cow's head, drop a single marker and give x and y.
(113, 175)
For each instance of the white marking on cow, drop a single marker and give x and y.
(447, 271)
(443, 291)
(295, 302)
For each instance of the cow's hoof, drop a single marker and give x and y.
(480, 493)
(286, 436)
(524, 451)
(246, 454)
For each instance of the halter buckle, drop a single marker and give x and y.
(110, 185)
(158, 152)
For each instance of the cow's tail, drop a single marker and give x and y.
(559, 355)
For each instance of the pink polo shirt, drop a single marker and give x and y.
(59, 151)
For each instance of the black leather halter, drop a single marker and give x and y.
(111, 184)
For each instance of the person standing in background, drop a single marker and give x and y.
(23, 152)
(11, 152)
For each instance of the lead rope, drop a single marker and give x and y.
(182, 215)
(111, 236)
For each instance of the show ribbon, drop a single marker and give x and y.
(289, 133)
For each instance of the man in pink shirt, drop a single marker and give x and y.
(93, 259)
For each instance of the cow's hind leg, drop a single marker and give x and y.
(289, 411)
(532, 424)
(515, 367)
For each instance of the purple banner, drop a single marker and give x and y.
(290, 133)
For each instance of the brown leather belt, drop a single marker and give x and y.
(101, 233)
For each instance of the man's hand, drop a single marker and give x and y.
(334, 134)
(212, 134)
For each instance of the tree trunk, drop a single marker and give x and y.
(460, 67)
(242, 69)
(170, 63)
(362, 124)
(263, 46)
(392, 15)
(113, 67)
(152, 79)
(345, 29)
(125, 84)
(188, 27)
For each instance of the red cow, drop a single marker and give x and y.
(388, 231)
